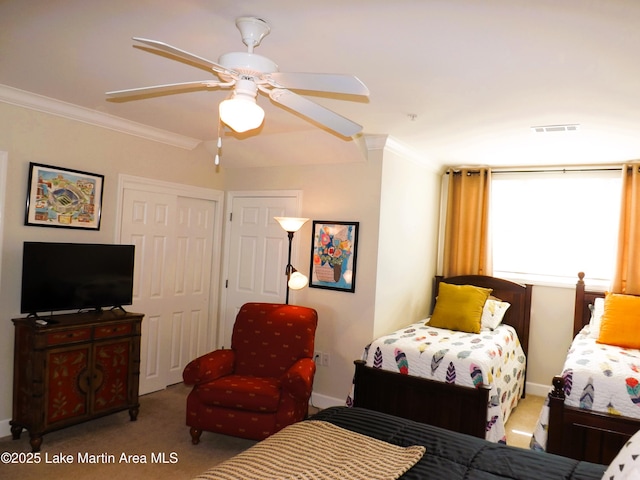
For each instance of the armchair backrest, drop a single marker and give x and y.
(270, 337)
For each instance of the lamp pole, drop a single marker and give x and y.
(289, 267)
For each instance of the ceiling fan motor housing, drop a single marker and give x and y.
(247, 63)
(253, 30)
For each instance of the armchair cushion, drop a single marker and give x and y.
(259, 394)
(208, 367)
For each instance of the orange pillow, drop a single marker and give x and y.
(459, 307)
(620, 323)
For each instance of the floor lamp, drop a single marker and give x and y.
(295, 279)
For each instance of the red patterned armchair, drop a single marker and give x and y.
(263, 382)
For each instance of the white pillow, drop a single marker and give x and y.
(597, 309)
(493, 313)
(626, 465)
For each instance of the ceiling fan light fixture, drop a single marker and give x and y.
(241, 112)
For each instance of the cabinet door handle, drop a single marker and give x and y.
(84, 379)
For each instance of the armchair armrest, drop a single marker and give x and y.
(298, 381)
(209, 367)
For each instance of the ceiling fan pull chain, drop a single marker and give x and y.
(219, 145)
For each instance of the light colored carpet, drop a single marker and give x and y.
(161, 431)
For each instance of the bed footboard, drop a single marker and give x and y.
(585, 435)
(454, 407)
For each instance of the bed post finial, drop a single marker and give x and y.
(579, 312)
(558, 387)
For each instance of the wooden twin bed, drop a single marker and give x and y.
(578, 433)
(447, 405)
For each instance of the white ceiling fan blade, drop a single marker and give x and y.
(165, 47)
(170, 87)
(319, 82)
(316, 112)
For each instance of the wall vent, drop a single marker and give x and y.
(556, 128)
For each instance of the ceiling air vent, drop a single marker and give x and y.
(556, 128)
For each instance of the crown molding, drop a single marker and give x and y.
(44, 104)
(391, 144)
(375, 142)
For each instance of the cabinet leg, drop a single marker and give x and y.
(16, 430)
(133, 413)
(195, 435)
(36, 442)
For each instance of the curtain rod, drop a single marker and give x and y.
(560, 170)
(476, 170)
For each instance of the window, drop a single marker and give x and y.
(548, 226)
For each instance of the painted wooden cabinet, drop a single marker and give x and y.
(73, 369)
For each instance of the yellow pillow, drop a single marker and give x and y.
(620, 324)
(459, 307)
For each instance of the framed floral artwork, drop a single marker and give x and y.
(333, 255)
(58, 197)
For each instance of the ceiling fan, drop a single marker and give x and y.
(247, 73)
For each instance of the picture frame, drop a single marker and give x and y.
(60, 197)
(333, 255)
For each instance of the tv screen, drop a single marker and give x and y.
(75, 276)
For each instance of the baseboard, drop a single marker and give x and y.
(324, 401)
(538, 389)
(5, 428)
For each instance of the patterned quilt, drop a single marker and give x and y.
(598, 377)
(491, 357)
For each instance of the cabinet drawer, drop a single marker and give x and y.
(68, 336)
(107, 331)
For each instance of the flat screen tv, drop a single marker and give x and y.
(75, 276)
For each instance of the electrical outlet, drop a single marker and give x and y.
(325, 359)
(317, 357)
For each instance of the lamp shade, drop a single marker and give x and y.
(241, 113)
(298, 281)
(291, 224)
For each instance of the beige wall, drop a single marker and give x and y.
(395, 201)
(347, 192)
(394, 198)
(550, 335)
(30, 136)
(407, 243)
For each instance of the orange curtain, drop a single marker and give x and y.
(467, 245)
(626, 278)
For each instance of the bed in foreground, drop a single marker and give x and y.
(594, 406)
(449, 377)
(426, 452)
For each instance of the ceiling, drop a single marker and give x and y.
(455, 82)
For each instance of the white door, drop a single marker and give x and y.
(190, 320)
(257, 254)
(173, 237)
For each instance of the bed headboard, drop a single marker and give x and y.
(519, 296)
(584, 298)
